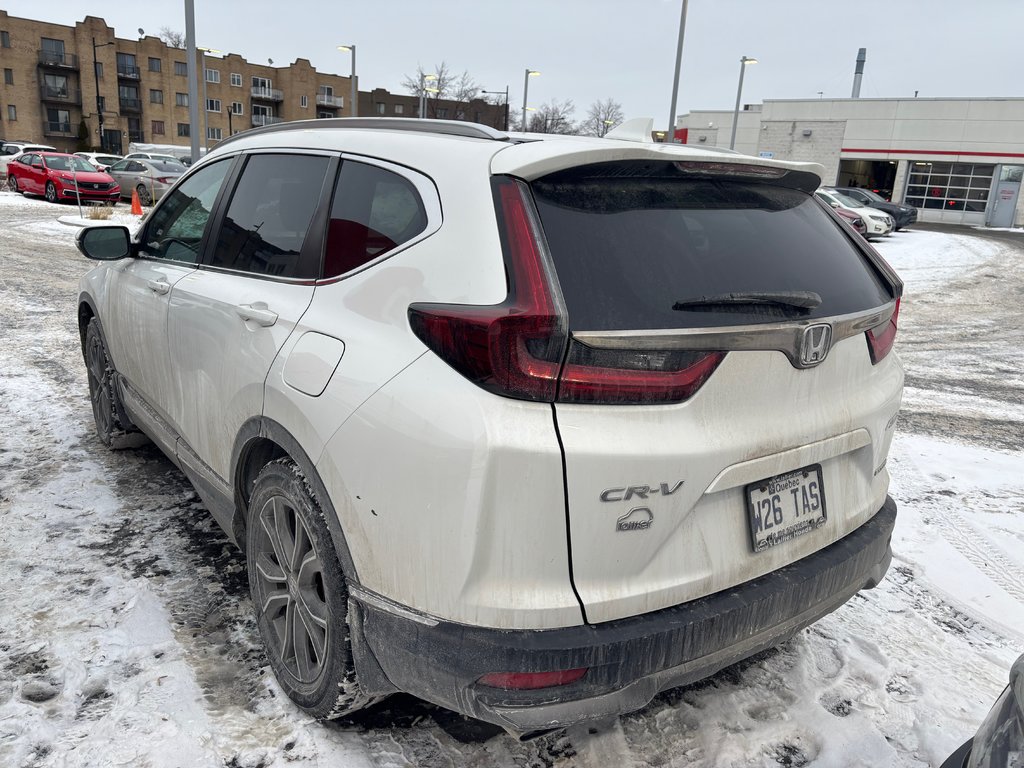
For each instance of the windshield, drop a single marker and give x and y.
(166, 159)
(77, 164)
(874, 196)
(847, 202)
(107, 159)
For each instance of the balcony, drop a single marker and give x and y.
(58, 129)
(266, 119)
(56, 60)
(60, 95)
(130, 105)
(267, 94)
(127, 72)
(335, 102)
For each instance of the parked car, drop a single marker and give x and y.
(9, 150)
(59, 176)
(999, 742)
(902, 215)
(150, 178)
(856, 221)
(877, 223)
(531, 429)
(101, 160)
(154, 156)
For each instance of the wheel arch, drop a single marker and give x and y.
(260, 441)
(86, 312)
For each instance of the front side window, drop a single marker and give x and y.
(175, 229)
(269, 215)
(374, 211)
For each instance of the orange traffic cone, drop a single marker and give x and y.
(136, 205)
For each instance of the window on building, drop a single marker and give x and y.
(399, 109)
(442, 113)
(212, 75)
(181, 68)
(155, 64)
(303, 101)
(236, 79)
(183, 129)
(181, 99)
(8, 76)
(54, 86)
(101, 103)
(12, 112)
(949, 186)
(381, 107)
(213, 133)
(325, 114)
(5, 39)
(53, 50)
(126, 65)
(374, 211)
(58, 120)
(213, 105)
(237, 107)
(156, 127)
(268, 217)
(326, 90)
(156, 96)
(99, 70)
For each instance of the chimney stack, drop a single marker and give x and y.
(858, 72)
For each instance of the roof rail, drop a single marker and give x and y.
(445, 127)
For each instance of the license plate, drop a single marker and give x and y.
(785, 506)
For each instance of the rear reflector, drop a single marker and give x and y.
(882, 337)
(526, 681)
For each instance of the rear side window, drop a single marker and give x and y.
(374, 211)
(642, 248)
(269, 215)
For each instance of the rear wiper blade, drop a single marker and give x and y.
(802, 300)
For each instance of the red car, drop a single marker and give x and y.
(55, 176)
(855, 221)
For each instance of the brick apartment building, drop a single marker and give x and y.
(138, 90)
(140, 87)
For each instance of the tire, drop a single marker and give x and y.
(12, 184)
(112, 425)
(301, 606)
(51, 193)
(144, 197)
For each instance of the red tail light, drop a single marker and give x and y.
(166, 179)
(521, 348)
(523, 681)
(882, 337)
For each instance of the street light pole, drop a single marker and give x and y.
(675, 80)
(96, 74)
(499, 93)
(354, 111)
(526, 88)
(739, 92)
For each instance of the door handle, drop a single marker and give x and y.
(258, 313)
(158, 286)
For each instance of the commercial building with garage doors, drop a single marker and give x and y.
(958, 161)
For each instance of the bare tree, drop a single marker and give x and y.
(442, 84)
(553, 117)
(171, 37)
(602, 117)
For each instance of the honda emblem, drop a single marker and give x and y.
(814, 344)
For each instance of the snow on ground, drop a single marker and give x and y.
(126, 636)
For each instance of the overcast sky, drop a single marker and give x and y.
(625, 50)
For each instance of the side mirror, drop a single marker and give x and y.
(104, 243)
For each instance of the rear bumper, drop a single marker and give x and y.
(630, 660)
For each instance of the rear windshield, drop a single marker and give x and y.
(665, 251)
(169, 167)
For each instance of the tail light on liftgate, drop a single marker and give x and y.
(522, 347)
(882, 336)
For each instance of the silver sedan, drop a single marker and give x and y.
(150, 178)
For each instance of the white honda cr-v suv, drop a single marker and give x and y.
(529, 427)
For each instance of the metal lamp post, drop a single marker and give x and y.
(96, 74)
(423, 93)
(499, 93)
(354, 111)
(675, 77)
(744, 60)
(526, 88)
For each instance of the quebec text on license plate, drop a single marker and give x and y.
(785, 506)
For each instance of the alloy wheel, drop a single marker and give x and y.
(99, 386)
